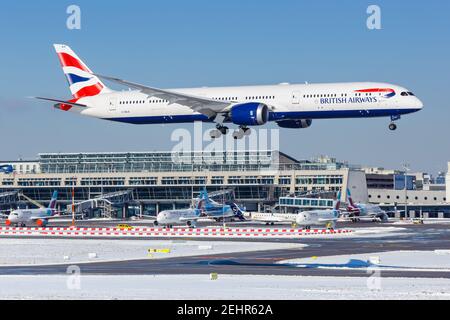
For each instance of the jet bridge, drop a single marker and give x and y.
(109, 205)
(9, 200)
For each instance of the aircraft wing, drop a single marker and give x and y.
(191, 218)
(326, 220)
(62, 102)
(270, 219)
(208, 107)
(53, 217)
(153, 218)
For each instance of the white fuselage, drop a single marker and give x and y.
(273, 217)
(369, 210)
(286, 102)
(29, 216)
(317, 217)
(177, 217)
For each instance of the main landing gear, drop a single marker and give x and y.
(219, 131)
(393, 125)
(237, 134)
(241, 132)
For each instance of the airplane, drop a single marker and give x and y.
(238, 212)
(7, 168)
(40, 216)
(272, 218)
(205, 208)
(289, 106)
(320, 217)
(356, 211)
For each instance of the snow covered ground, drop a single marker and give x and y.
(438, 260)
(232, 287)
(56, 251)
(378, 231)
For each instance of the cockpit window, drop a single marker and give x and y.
(411, 94)
(404, 94)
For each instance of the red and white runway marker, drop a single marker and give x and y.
(144, 232)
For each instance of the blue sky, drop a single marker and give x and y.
(174, 43)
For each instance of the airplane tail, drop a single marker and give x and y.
(82, 82)
(350, 200)
(237, 211)
(52, 204)
(337, 203)
(202, 200)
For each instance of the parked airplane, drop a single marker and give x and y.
(40, 217)
(320, 217)
(290, 106)
(272, 218)
(205, 208)
(356, 211)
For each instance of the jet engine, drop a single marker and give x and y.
(295, 124)
(250, 114)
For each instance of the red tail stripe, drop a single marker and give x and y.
(69, 61)
(89, 91)
(67, 107)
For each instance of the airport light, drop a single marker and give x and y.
(406, 168)
(73, 202)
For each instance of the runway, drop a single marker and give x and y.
(416, 238)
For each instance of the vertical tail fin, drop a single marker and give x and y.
(350, 200)
(337, 203)
(202, 200)
(52, 204)
(82, 82)
(237, 211)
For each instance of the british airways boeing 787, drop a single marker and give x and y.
(289, 106)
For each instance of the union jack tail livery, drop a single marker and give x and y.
(81, 80)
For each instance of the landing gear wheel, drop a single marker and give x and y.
(224, 130)
(392, 127)
(247, 131)
(238, 134)
(215, 134)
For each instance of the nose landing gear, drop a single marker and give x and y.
(393, 125)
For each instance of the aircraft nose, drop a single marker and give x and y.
(417, 103)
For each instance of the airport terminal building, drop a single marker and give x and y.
(124, 184)
(130, 183)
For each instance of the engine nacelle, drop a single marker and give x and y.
(42, 223)
(295, 124)
(250, 114)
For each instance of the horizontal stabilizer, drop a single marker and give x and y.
(73, 104)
